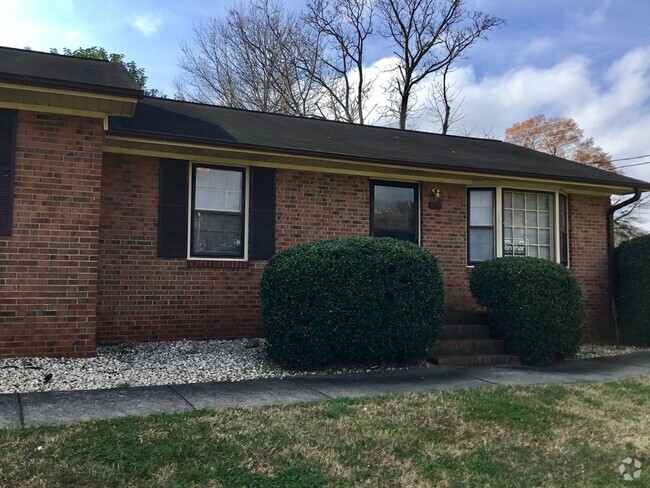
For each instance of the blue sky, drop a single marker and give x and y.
(586, 59)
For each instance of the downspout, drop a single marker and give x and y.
(610, 251)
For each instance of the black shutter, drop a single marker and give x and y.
(172, 208)
(7, 165)
(262, 213)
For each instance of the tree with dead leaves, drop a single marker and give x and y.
(560, 137)
(563, 137)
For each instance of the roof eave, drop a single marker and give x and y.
(616, 187)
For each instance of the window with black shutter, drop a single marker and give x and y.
(262, 213)
(218, 210)
(205, 206)
(172, 210)
(7, 165)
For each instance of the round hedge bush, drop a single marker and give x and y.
(632, 290)
(351, 301)
(537, 305)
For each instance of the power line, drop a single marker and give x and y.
(630, 165)
(630, 158)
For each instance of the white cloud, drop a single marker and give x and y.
(539, 45)
(595, 17)
(611, 105)
(24, 23)
(147, 24)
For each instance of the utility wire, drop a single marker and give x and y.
(633, 157)
(630, 165)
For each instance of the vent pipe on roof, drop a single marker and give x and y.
(610, 251)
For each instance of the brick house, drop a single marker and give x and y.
(129, 218)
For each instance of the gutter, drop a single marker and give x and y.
(610, 251)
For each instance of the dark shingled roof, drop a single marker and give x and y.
(220, 126)
(65, 72)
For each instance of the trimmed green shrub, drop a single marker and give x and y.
(351, 301)
(537, 306)
(632, 290)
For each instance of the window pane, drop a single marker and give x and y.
(217, 200)
(531, 202)
(544, 219)
(233, 201)
(544, 237)
(217, 234)
(518, 201)
(218, 189)
(544, 202)
(531, 219)
(507, 199)
(481, 207)
(545, 252)
(519, 218)
(481, 247)
(394, 208)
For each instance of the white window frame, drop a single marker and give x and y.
(499, 189)
(190, 210)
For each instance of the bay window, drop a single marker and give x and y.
(523, 223)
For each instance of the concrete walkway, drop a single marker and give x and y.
(58, 408)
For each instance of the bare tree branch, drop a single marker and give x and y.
(344, 27)
(254, 58)
(428, 35)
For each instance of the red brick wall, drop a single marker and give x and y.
(313, 206)
(48, 266)
(52, 297)
(588, 260)
(444, 234)
(143, 297)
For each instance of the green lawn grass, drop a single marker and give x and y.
(508, 436)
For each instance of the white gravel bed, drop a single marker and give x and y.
(147, 364)
(164, 363)
(588, 351)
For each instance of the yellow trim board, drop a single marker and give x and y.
(64, 102)
(59, 91)
(246, 157)
(53, 110)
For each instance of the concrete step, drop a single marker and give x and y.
(444, 347)
(477, 360)
(464, 331)
(466, 317)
